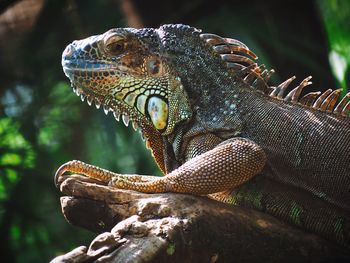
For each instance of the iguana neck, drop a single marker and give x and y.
(216, 119)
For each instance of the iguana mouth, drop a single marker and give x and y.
(84, 66)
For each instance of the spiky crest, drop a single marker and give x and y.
(240, 60)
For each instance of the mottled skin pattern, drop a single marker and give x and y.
(216, 128)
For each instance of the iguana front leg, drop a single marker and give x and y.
(228, 165)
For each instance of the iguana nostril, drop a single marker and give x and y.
(68, 52)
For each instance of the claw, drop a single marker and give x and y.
(71, 166)
(60, 171)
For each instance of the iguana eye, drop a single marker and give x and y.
(114, 44)
(154, 66)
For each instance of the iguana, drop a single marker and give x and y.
(216, 127)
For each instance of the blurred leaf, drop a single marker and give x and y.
(16, 154)
(55, 117)
(335, 15)
(10, 159)
(17, 100)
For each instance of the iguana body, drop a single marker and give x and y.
(215, 127)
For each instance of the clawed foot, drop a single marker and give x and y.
(98, 175)
(91, 172)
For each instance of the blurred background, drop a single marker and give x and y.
(43, 123)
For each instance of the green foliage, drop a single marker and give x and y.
(335, 15)
(16, 154)
(54, 125)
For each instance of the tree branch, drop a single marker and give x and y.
(169, 227)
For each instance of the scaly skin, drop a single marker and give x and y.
(215, 127)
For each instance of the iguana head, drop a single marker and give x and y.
(125, 71)
(128, 71)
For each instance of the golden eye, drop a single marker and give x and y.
(154, 66)
(114, 44)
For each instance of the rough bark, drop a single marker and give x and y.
(136, 227)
